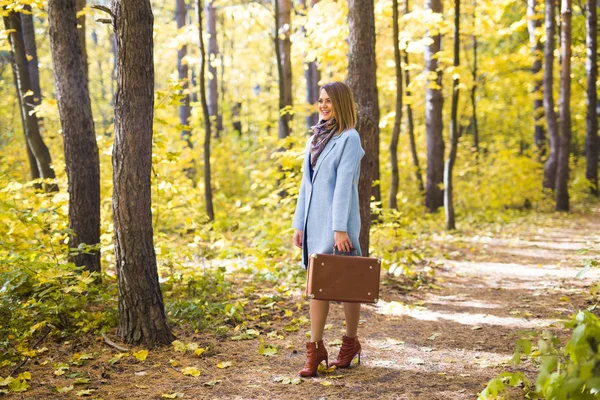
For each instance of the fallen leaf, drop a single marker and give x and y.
(434, 336)
(176, 395)
(141, 355)
(173, 363)
(179, 346)
(87, 392)
(416, 361)
(190, 371)
(64, 389)
(199, 352)
(476, 328)
(326, 383)
(224, 364)
(81, 381)
(211, 383)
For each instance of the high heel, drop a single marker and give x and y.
(315, 354)
(350, 349)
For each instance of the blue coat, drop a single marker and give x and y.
(329, 202)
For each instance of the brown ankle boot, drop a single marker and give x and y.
(315, 353)
(350, 348)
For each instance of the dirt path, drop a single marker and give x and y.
(429, 344)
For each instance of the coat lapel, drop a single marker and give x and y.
(324, 154)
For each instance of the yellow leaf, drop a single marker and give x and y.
(326, 383)
(86, 392)
(175, 395)
(198, 352)
(64, 389)
(190, 371)
(224, 364)
(173, 363)
(179, 347)
(141, 355)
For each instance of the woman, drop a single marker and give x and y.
(327, 212)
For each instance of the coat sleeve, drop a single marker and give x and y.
(346, 171)
(299, 217)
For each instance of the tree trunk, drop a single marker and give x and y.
(182, 70)
(12, 22)
(312, 76)
(537, 48)
(207, 125)
(362, 79)
(141, 311)
(474, 123)
(562, 176)
(434, 101)
(33, 168)
(283, 51)
(79, 138)
(103, 93)
(393, 203)
(591, 67)
(410, 124)
(31, 50)
(551, 118)
(454, 134)
(81, 33)
(213, 54)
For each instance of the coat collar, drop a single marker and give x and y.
(330, 145)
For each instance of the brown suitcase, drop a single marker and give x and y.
(349, 279)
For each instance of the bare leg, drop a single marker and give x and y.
(318, 316)
(352, 313)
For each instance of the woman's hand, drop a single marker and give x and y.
(298, 235)
(342, 241)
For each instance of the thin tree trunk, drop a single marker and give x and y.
(474, 123)
(393, 203)
(103, 93)
(33, 168)
(454, 133)
(591, 139)
(312, 76)
(410, 124)
(182, 70)
(551, 118)
(283, 51)
(31, 50)
(362, 79)
(81, 33)
(207, 125)
(537, 48)
(213, 53)
(562, 177)
(434, 101)
(12, 22)
(81, 150)
(141, 310)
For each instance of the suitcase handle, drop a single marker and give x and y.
(352, 252)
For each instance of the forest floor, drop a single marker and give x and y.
(445, 340)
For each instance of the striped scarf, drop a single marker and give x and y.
(323, 131)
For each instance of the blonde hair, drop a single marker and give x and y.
(343, 104)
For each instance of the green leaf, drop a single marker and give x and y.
(86, 392)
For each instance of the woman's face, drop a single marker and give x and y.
(325, 106)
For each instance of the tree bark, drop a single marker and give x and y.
(537, 49)
(474, 122)
(207, 125)
(454, 133)
(31, 50)
(79, 138)
(362, 79)
(283, 51)
(213, 54)
(562, 176)
(312, 76)
(141, 311)
(81, 33)
(33, 168)
(434, 101)
(591, 67)
(551, 118)
(393, 203)
(410, 124)
(182, 70)
(12, 22)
